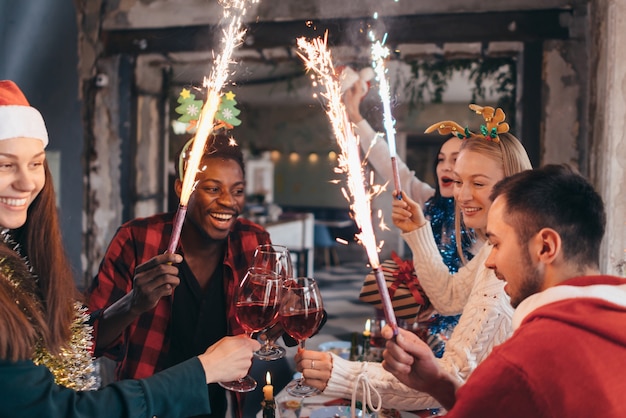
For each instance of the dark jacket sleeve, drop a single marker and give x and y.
(29, 390)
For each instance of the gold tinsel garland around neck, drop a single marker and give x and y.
(74, 366)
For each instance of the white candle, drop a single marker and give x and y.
(268, 389)
(368, 328)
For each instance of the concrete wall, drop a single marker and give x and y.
(608, 117)
(38, 51)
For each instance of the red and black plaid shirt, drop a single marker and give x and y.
(142, 349)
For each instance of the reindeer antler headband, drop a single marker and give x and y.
(494, 125)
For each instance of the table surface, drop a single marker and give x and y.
(314, 402)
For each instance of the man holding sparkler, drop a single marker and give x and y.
(545, 227)
(141, 325)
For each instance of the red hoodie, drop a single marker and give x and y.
(566, 358)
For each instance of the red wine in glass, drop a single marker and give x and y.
(302, 324)
(301, 313)
(257, 301)
(255, 316)
(275, 258)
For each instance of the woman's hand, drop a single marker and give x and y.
(406, 214)
(228, 359)
(315, 367)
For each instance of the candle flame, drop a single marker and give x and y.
(318, 59)
(268, 378)
(368, 326)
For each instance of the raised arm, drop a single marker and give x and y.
(377, 151)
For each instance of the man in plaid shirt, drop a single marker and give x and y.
(138, 321)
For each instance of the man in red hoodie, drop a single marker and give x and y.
(569, 347)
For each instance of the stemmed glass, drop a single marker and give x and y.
(301, 313)
(257, 302)
(275, 258)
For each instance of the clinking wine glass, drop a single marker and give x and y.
(301, 313)
(257, 302)
(275, 258)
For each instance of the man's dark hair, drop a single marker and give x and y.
(555, 197)
(217, 146)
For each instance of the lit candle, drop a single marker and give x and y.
(268, 389)
(368, 328)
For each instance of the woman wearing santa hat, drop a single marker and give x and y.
(45, 342)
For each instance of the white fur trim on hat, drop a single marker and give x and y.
(22, 121)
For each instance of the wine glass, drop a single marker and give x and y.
(278, 259)
(257, 302)
(301, 313)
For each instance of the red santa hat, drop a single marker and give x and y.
(17, 117)
(348, 76)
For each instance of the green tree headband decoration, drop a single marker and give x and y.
(189, 110)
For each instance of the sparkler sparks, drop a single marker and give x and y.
(234, 11)
(317, 59)
(379, 54)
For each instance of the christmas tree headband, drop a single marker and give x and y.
(189, 110)
(494, 125)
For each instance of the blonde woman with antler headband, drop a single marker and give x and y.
(474, 291)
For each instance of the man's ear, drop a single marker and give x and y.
(178, 187)
(548, 245)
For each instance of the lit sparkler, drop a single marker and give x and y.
(234, 11)
(379, 54)
(317, 58)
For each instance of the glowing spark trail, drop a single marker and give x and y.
(234, 11)
(379, 54)
(317, 58)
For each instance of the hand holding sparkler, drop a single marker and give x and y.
(407, 215)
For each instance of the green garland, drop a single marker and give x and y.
(432, 77)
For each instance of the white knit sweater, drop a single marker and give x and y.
(485, 322)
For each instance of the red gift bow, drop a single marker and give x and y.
(405, 275)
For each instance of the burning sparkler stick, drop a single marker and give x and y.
(234, 11)
(318, 59)
(379, 54)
